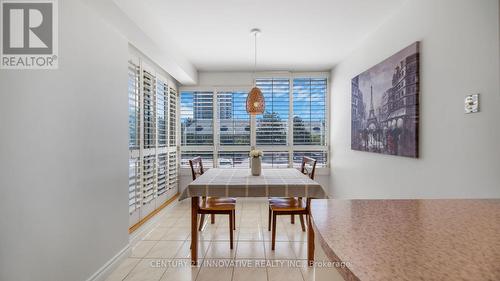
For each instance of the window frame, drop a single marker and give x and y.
(216, 148)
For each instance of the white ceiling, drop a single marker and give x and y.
(305, 35)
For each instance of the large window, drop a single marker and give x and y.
(293, 125)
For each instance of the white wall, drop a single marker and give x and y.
(64, 153)
(161, 49)
(460, 154)
(222, 78)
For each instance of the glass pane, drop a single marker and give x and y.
(234, 159)
(196, 118)
(309, 111)
(275, 159)
(207, 158)
(320, 156)
(272, 126)
(234, 121)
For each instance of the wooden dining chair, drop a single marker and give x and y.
(214, 205)
(290, 205)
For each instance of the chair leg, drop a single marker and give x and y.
(302, 222)
(234, 219)
(292, 219)
(273, 239)
(202, 220)
(231, 230)
(212, 218)
(269, 220)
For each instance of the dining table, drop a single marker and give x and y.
(234, 182)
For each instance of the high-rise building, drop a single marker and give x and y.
(202, 105)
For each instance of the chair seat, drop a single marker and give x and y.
(222, 199)
(287, 204)
(219, 204)
(274, 200)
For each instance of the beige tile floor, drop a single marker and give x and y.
(162, 252)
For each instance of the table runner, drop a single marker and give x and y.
(240, 183)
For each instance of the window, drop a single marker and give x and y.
(309, 111)
(272, 126)
(234, 121)
(233, 159)
(207, 158)
(293, 125)
(275, 159)
(196, 118)
(320, 157)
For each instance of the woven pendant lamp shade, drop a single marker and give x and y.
(255, 102)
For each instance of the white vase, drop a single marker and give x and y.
(256, 166)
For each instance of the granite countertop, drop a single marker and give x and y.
(411, 239)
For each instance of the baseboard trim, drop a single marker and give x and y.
(150, 215)
(102, 273)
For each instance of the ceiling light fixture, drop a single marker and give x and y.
(255, 98)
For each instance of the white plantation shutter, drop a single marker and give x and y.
(162, 112)
(149, 92)
(172, 170)
(148, 179)
(172, 116)
(133, 106)
(134, 188)
(152, 139)
(162, 173)
(272, 126)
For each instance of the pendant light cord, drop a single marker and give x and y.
(255, 60)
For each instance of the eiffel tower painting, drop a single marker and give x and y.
(386, 121)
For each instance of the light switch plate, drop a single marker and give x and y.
(471, 103)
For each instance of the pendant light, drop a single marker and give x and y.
(255, 98)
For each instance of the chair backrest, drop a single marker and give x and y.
(196, 167)
(308, 166)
